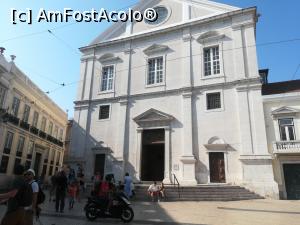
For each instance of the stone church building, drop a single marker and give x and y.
(180, 96)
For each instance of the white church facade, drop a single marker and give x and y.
(180, 96)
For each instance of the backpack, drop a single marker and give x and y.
(41, 196)
(24, 196)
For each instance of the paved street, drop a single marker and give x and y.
(266, 212)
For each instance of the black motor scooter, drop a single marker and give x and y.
(120, 208)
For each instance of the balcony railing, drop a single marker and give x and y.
(24, 125)
(34, 130)
(42, 134)
(285, 147)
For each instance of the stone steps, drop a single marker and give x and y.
(199, 193)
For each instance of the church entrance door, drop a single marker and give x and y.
(153, 155)
(217, 167)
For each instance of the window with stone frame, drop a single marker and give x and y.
(20, 146)
(50, 128)
(61, 132)
(287, 129)
(30, 149)
(4, 163)
(8, 142)
(211, 61)
(3, 91)
(35, 119)
(26, 113)
(43, 124)
(55, 131)
(213, 100)
(104, 111)
(107, 78)
(155, 71)
(15, 106)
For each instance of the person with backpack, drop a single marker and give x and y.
(31, 211)
(18, 197)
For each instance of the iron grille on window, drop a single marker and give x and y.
(104, 112)
(213, 100)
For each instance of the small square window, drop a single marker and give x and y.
(213, 100)
(104, 112)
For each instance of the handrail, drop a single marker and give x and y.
(177, 183)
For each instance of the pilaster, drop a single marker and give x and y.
(187, 158)
(168, 160)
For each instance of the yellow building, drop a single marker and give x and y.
(32, 126)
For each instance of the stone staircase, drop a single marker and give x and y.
(218, 192)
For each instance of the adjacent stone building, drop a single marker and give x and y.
(180, 96)
(282, 116)
(32, 126)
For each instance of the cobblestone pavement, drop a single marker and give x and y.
(265, 212)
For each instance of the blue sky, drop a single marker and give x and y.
(50, 61)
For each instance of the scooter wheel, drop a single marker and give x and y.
(91, 213)
(127, 215)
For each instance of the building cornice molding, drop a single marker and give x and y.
(250, 83)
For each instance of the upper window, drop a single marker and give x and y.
(20, 146)
(43, 124)
(287, 129)
(15, 106)
(155, 71)
(61, 132)
(35, 119)
(26, 113)
(211, 61)
(107, 78)
(55, 131)
(104, 111)
(213, 100)
(50, 128)
(162, 14)
(8, 142)
(2, 95)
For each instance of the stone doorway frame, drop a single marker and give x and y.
(149, 120)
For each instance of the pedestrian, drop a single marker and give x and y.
(162, 191)
(19, 195)
(52, 189)
(31, 210)
(61, 189)
(72, 190)
(128, 185)
(153, 191)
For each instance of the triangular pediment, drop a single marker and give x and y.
(155, 48)
(285, 110)
(179, 12)
(153, 115)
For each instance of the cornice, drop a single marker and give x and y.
(184, 91)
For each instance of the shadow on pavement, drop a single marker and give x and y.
(258, 210)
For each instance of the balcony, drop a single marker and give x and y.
(34, 130)
(42, 134)
(286, 147)
(13, 119)
(24, 125)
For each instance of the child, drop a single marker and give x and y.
(72, 194)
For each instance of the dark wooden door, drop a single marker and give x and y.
(153, 155)
(37, 163)
(292, 181)
(217, 167)
(99, 164)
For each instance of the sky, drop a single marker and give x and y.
(52, 59)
